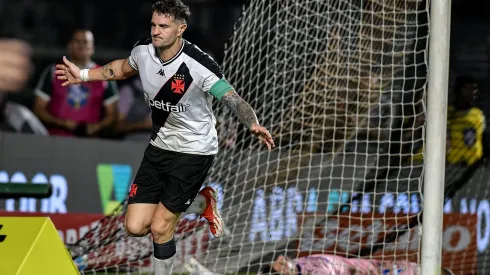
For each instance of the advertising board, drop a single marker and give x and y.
(88, 176)
(71, 226)
(93, 176)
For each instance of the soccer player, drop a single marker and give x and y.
(324, 264)
(332, 264)
(180, 82)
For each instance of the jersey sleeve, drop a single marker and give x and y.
(133, 59)
(44, 87)
(111, 93)
(134, 56)
(214, 81)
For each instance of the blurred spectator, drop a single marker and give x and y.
(466, 147)
(466, 124)
(85, 109)
(15, 63)
(134, 118)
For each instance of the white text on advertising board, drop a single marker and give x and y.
(54, 204)
(274, 216)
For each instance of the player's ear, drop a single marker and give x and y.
(182, 28)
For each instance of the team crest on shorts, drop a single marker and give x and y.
(133, 190)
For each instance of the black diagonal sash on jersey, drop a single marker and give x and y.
(172, 91)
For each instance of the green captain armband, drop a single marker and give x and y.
(220, 88)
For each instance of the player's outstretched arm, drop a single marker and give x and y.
(115, 70)
(246, 115)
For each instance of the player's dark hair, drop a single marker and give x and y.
(461, 81)
(175, 8)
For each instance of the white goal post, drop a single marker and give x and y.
(435, 152)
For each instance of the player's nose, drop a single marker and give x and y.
(155, 32)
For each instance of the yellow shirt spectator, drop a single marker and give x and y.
(465, 135)
(465, 125)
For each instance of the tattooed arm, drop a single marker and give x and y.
(240, 108)
(115, 70)
(247, 116)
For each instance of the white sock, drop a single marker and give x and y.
(163, 267)
(197, 206)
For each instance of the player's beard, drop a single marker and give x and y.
(166, 46)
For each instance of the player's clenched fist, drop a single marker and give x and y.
(15, 61)
(68, 72)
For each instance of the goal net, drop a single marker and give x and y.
(341, 86)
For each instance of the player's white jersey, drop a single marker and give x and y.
(180, 93)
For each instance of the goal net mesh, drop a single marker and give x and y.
(341, 86)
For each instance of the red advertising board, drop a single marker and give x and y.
(134, 252)
(71, 226)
